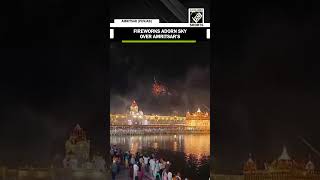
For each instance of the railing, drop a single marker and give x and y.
(283, 175)
(226, 177)
(156, 131)
(52, 174)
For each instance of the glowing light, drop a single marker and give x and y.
(158, 89)
(155, 145)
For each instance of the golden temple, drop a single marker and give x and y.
(135, 118)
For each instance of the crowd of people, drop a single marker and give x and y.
(141, 166)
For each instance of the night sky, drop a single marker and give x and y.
(53, 75)
(184, 69)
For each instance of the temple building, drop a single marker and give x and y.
(199, 120)
(192, 121)
(134, 117)
(77, 146)
(250, 166)
(281, 168)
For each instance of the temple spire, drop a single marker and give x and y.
(284, 155)
(77, 127)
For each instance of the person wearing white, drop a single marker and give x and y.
(135, 171)
(164, 175)
(145, 162)
(162, 165)
(141, 160)
(145, 159)
(169, 176)
(152, 165)
(132, 161)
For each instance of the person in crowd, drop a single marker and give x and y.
(135, 171)
(177, 177)
(137, 157)
(146, 161)
(126, 160)
(130, 171)
(158, 177)
(114, 169)
(129, 154)
(118, 165)
(169, 175)
(132, 161)
(111, 152)
(162, 165)
(152, 165)
(142, 167)
(156, 169)
(164, 175)
(141, 160)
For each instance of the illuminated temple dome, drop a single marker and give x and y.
(199, 120)
(310, 165)
(284, 161)
(134, 109)
(284, 155)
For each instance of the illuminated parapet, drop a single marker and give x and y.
(169, 120)
(198, 120)
(118, 119)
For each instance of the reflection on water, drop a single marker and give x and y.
(198, 145)
(189, 153)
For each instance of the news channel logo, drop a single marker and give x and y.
(196, 15)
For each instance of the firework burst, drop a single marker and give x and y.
(159, 89)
